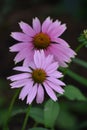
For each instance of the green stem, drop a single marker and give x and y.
(79, 47)
(26, 118)
(10, 109)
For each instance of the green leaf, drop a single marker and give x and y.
(73, 93)
(17, 111)
(38, 128)
(51, 111)
(37, 114)
(65, 120)
(80, 62)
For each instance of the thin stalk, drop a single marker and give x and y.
(10, 109)
(79, 47)
(26, 118)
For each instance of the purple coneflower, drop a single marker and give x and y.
(46, 37)
(40, 76)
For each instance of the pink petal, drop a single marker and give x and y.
(27, 29)
(42, 58)
(53, 26)
(32, 94)
(23, 69)
(32, 65)
(55, 74)
(25, 90)
(18, 47)
(58, 56)
(36, 25)
(21, 37)
(29, 58)
(19, 76)
(55, 87)
(62, 55)
(55, 81)
(61, 41)
(52, 67)
(48, 61)
(21, 46)
(50, 92)
(70, 53)
(46, 24)
(58, 31)
(40, 94)
(27, 61)
(24, 54)
(37, 59)
(65, 53)
(19, 83)
(20, 56)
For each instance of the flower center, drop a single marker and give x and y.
(39, 75)
(41, 41)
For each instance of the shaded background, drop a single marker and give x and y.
(73, 13)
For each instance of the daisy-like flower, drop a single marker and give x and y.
(40, 76)
(46, 37)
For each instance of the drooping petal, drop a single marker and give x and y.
(62, 58)
(25, 90)
(55, 87)
(70, 53)
(50, 92)
(56, 81)
(55, 74)
(32, 94)
(62, 52)
(40, 94)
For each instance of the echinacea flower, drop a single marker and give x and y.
(40, 76)
(46, 37)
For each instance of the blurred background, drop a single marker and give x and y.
(71, 12)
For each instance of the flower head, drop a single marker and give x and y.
(46, 37)
(40, 76)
